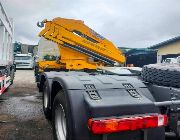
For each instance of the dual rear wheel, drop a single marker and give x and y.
(57, 115)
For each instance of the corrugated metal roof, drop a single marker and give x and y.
(139, 51)
(164, 43)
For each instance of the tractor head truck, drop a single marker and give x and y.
(82, 99)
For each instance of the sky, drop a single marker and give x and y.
(127, 23)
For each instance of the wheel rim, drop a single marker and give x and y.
(60, 123)
(45, 98)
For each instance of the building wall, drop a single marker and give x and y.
(25, 49)
(173, 48)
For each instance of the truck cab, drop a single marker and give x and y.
(24, 61)
(86, 102)
(170, 61)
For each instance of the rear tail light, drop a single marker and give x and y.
(103, 126)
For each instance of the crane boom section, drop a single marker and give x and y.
(75, 35)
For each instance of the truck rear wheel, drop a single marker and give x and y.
(61, 120)
(160, 74)
(178, 133)
(47, 111)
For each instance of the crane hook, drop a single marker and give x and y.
(41, 24)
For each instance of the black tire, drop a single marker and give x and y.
(12, 76)
(178, 130)
(61, 103)
(162, 74)
(46, 102)
(38, 85)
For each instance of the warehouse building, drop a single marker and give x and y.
(25, 48)
(167, 49)
(140, 56)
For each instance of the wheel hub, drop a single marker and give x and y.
(60, 123)
(45, 98)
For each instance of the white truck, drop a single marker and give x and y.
(24, 61)
(172, 60)
(7, 67)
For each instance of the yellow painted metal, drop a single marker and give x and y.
(61, 31)
(48, 64)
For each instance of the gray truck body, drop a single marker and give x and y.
(6, 37)
(114, 100)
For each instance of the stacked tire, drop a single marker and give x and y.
(162, 74)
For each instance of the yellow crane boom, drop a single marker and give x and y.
(80, 47)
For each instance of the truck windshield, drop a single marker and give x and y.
(22, 58)
(170, 60)
(167, 60)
